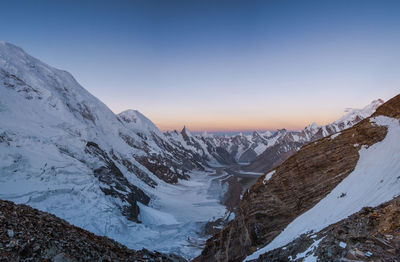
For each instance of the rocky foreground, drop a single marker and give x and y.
(373, 234)
(27, 234)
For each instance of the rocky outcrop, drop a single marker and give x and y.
(295, 187)
(371, 234)
(27, 234)
(157, 166)
(113, 183)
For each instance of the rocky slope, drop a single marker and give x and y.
(372, 234)
(308, 180)
(27, 234)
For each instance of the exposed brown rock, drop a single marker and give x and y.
(231, 198)
(372, 234)
(27, 234)
(297, 185)
(391, 108)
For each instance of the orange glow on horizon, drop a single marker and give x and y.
(242, 124)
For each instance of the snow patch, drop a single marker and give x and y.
(335, 135)
(268, 176)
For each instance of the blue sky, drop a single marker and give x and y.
(218, 65)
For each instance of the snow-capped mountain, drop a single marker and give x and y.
(284, 143)
(59, 142)
(324, 182)
(63, 151)
(226, 150)
(167, 158)
(264, 151)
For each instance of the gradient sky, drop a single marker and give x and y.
(218, 65)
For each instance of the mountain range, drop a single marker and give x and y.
(65, 152)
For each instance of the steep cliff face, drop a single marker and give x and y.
(294, 187)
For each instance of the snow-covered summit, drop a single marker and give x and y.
(353, 114)
(55, 89)
(312, 128)
(138, 121)
(186, 131)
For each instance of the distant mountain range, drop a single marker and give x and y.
(260, 152)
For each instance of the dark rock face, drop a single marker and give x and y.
(27, 234)
(296, 186)
(248, 156)
(273, 156)
(220, 153)
(114, 183)
(157, 166)
(371, 234)
(135, 170)
(223, 156)
(231, 198)
(174, 166)
(169, 164)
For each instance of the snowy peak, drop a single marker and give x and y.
(186, 133)
(11, 51)
(267, 134)
(138, 122)
(312, 128)
(54, 91)
(255, 134)
(355, 115)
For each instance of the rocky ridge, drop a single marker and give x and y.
(294, 187)
(27, 234)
